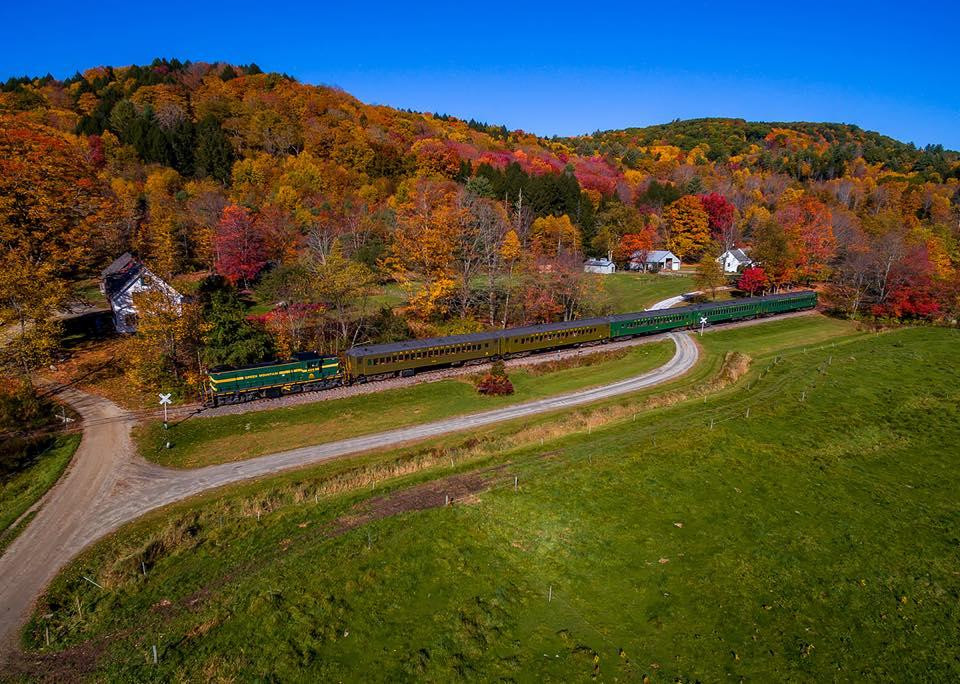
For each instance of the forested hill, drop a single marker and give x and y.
(825, 147)
(184, 111)
(305, 196)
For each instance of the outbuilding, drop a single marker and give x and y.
(124, 278)
(603, 265)
(655, 260)
(734, 259)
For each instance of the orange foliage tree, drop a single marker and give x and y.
(807, 225)
(689, 227)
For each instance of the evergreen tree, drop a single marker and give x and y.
(232, 340)
(214, 153)
(181, 144)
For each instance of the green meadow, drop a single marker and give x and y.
(800, 524)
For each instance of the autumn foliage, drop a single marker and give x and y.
(753, 280)
(240, 249)
(314, 200)
(495, 382)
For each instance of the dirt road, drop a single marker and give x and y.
(61, 527)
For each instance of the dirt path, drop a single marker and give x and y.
(58, 532)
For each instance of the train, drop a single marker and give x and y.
(308, 371)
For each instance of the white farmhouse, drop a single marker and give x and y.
(603, 265)
(124, 278)
(655, 260)
(734, 259)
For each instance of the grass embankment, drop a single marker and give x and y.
(204, 441)
(629, 292)
(815, 539)
(23, 489)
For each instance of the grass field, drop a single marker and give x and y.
(22, 490)
(203, 441)
(630, 292)
(814, 540)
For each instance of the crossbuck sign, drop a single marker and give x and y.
(164, 401)
(703, 322)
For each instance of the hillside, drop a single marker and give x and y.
(340, 221)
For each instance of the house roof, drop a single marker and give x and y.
(738, 254)
(598, 262)
(118, 275)
(655, 256)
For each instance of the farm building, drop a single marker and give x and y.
(124, 278)
(655, 260)
(734, 259)
(604, 266)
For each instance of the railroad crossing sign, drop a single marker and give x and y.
(164, 401)
(703, 322)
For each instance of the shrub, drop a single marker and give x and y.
(495, 383)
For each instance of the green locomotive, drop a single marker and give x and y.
(309, 372)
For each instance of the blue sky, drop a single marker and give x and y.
(552, 68)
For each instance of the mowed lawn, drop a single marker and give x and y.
(629, 292)
(814, 540)
(204, 441)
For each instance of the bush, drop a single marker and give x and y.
(495, 383)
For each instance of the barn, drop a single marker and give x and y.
(655, 260)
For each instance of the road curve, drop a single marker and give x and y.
(108, 484)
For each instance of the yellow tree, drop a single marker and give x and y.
(554, 236)
(710, 276)
(158, 242)
(163, 350)
(689, 226)
(342, 286)
(422, 253)
(510, 252)
(510, 248)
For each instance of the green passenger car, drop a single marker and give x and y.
(647, 322)
(308, 372)
(752, 307)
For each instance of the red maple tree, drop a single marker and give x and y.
(753, 280)
(240, 249)
(720, 211)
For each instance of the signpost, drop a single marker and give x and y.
(164, 401)
(703, 322)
